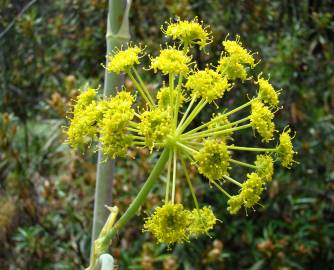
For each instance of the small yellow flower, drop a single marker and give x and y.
(202, 220)
(285, 150)
(261, 120)
(171, 61)
(123, 60)
(189, 33)
(213, 159)
(267, 92)
(155, 125)
(169, 224)
(265, 167)
(207, 84)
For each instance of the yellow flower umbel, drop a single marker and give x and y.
(189, 33)
(155, 125)
(234, 204)
(250, 194)
(124, 60)
(207, 84)
(115, 137)
(171, 61)
(164, 119)
(265, 167)
(169, 224)
(285, 149)
(213, 160)
(202, 221)
(234, 60)
(83, 127)
(267, 93)
(261, 120)
(234, 49)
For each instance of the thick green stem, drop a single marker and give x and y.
(138, 201)
(117, 34)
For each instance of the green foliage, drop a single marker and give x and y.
(56, 46)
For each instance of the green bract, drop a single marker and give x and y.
(162, 121)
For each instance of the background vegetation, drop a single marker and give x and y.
(46, 190)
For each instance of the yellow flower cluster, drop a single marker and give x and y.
(118, 113)
(267, 93)
(164, 98)
(285, 150)
(232, 62)
(155, 125)
(189, 33)
(85, 98)
(171, 223)
(234, 49)
(213, 159)
(123, 60)
(171, 61)
(207, 84)
(107, 118)
(265, 167)
(250, 193)
(251, 189)
(83, 127)
(202, 220)
(262, 120)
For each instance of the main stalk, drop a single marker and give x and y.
(117, 35)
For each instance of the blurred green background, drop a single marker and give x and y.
(46, 189)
